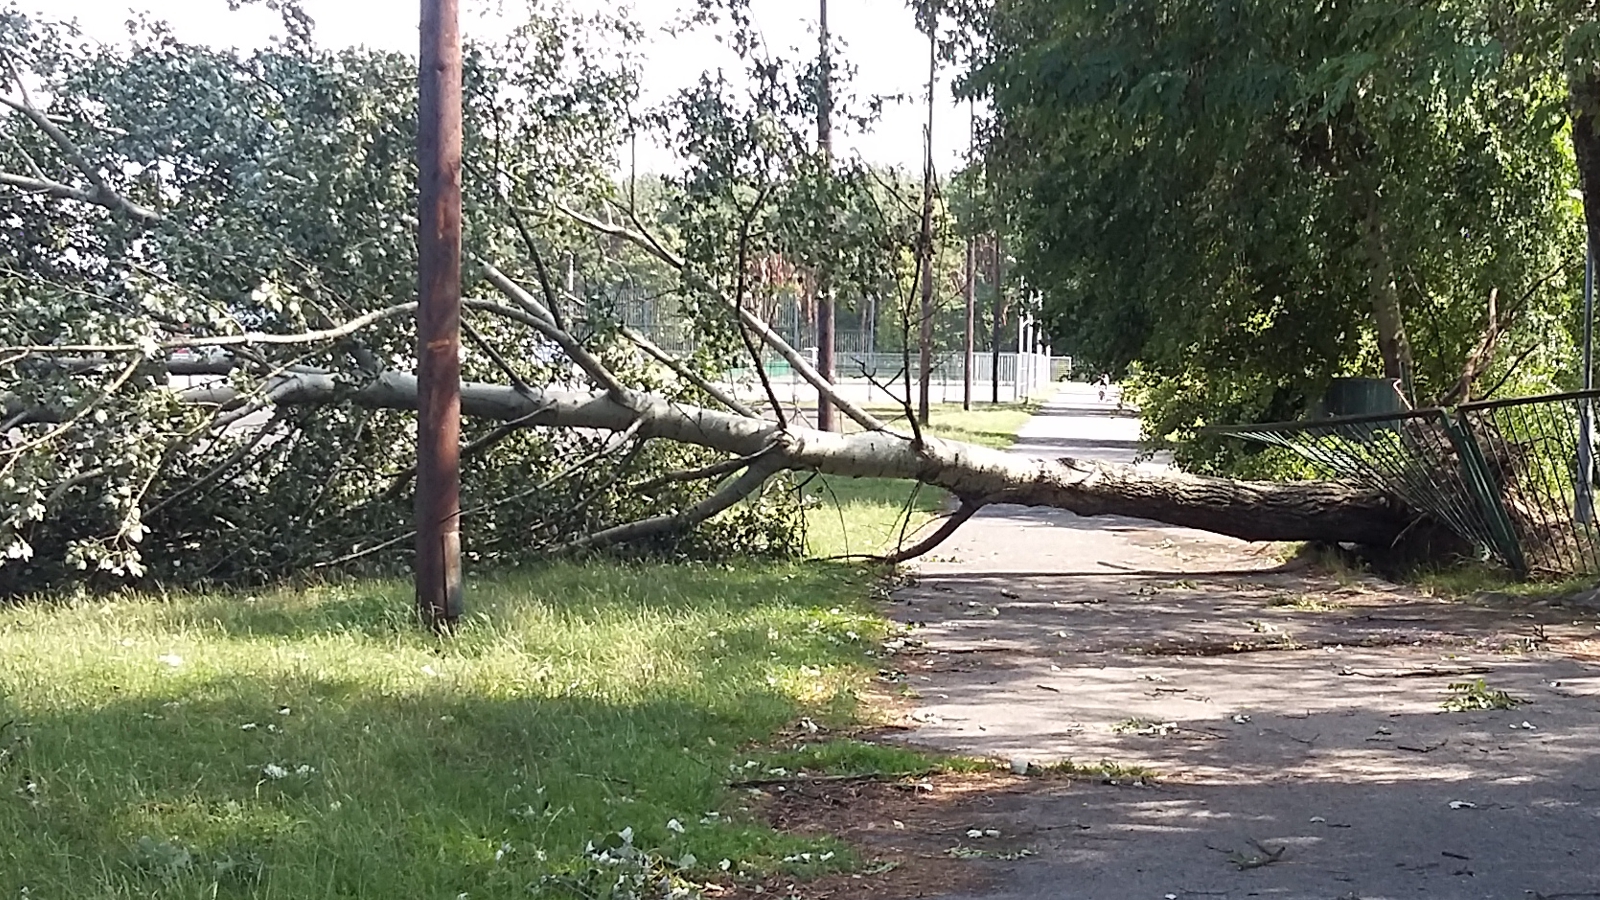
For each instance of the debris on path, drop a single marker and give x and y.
(1297, 719)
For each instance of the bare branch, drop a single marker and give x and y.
(715, 470)
(614, 443)
(686, 373)
(543, 321)
(676, 523)
(1511, 369)
(1482, 356)
(742, 264)
(222, 468)
(61, 489)
(609, 447)
(503, 364)
(45, 186)
(103, 194)
(798, 363)
(767, 335)
(948, 527)
(226, 340)
(639, 238)
(552, 302)
(475, 448)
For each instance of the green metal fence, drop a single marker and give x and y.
(1514, 477)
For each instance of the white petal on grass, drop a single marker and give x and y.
(674, 826)
(274, 771)
(171, 659)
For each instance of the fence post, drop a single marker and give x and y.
(1018, 380)
(1481, 484)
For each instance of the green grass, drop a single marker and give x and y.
(315, 743)
(1465, 580)
(577, 701)
(864, 516)
(848, 757)
(1305, 603)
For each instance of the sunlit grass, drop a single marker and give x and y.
(1469, 579)
(155, 747)
(317, 743)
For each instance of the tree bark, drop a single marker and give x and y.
(825, 306)
(1254, 511)
(997, 318)
(925, 244)
(1393, 344)
(1585, 95)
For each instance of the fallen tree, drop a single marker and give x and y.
(976, 476)
(760, 447)
(206, 257)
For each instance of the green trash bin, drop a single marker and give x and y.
(1362, 396)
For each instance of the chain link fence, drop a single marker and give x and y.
(1514, 477)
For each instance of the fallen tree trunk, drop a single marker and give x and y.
(91, 446)
(1255, 511)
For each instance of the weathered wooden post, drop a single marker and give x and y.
(438, 506)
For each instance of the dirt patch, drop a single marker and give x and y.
(918, 837)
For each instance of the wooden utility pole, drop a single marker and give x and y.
(825, 311)
(925, 355)
(438, 506)
(971, 283)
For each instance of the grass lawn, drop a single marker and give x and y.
(314, 743)
(865, 515)
(154, 747)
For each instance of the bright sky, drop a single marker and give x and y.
(880, 38)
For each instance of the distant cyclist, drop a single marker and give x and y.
(1103, 385)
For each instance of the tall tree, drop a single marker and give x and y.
(825, 310)
(1240, 201)
(929, 17)
(969, 287)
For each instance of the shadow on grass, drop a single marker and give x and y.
(156, 747)
(564, 593)
(406, 796)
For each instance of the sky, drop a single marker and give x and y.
(880, 37)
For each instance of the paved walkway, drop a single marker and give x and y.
(1294, 720)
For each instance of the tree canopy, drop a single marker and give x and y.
(1237, 202)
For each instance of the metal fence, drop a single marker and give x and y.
(875, 377)
(1514, 477)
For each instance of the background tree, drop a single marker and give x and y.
(1235, 203)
